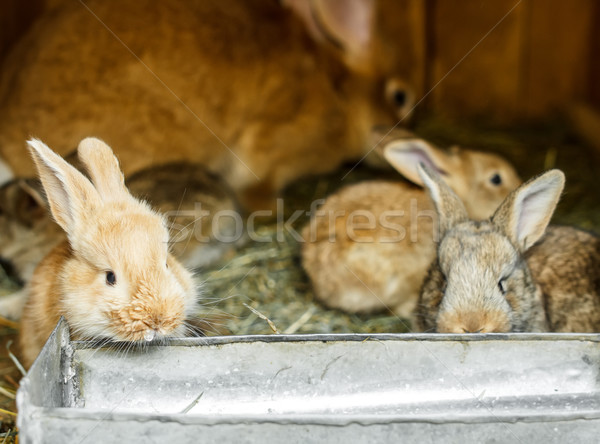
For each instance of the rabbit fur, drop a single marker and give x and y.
(369, 246)
(260, 92)
(194, 201)
(509, 273)
(113, 279)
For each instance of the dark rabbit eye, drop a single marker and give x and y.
(111, 279)
(496, 179)
(502, 286)
(399, 98)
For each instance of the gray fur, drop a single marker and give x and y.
(506, 274)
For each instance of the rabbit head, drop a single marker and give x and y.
(480, 281)
(481, 180)
(360, 33)
(120, 281)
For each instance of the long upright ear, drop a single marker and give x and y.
(103, 168)
(526, 212)
(406, 155)
(347, 24)
(449, 207)
(71, 196)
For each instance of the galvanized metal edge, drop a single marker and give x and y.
(60, 338)
(360, 337)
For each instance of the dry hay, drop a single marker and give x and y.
(265, 280)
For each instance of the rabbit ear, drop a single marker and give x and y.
(347, 24)
(103, 168)
(448, 205)
(406, 155)
(526, 212)
(71, 196)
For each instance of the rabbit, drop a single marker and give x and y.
(509, 273)
(27, 234)
(113, 279)
(200, 209)
(260, 92)
(369, 246)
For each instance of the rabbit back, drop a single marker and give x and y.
(565, 265)
(367, 270)
(27, 231)
(43, 307)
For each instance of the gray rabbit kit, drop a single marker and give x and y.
(494, 276)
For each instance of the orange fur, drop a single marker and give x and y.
(43, 308)
(238, 86)
(107, 230)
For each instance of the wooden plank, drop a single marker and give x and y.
(474, 54)
(557, 62)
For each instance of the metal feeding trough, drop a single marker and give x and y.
(316, 388)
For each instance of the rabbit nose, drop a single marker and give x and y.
(473, 322)
(472, 331)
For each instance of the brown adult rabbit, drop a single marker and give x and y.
(504, 274)
(202, 215)
(258, 92)
(369, 246)
(114, 277)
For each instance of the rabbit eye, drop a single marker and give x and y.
(502, 286)
(398, 94)
(496, 179)
(399, 98)
(111, 279)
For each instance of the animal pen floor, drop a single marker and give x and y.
(265, 280)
